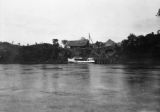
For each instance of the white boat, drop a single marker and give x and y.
(80, 60)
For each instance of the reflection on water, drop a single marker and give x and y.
(79, 88)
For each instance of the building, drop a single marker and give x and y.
(109, 43)
(83, 43)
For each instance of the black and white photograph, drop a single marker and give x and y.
(79, 55)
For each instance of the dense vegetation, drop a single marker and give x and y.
(38, 53)
(133, 49)
(141, 48)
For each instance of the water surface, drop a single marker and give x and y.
(79, 88)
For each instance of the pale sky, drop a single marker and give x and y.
(30, 21)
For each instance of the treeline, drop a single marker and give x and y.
(38, 53)
(141, 48)
(133, 49)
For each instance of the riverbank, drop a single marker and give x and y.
(34, 54)
(134, 49)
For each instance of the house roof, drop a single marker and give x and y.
(109, 42)
(78, 43)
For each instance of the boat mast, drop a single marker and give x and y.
(90, 38)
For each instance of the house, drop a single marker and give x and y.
(83, 43)
(109, 43)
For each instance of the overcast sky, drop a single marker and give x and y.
(30, 21)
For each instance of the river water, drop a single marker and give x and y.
(79, 88)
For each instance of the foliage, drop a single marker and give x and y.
(147, 46)
(38, 53)
(134, 47)
(64, 42)
(55, 42)
(99, 44)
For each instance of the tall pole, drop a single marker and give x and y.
(90, 38)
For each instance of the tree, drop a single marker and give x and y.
(99, 44)
(64, 42)
(132, 37)
(55, 42)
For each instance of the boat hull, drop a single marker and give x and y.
(72, 60)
